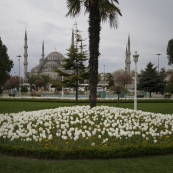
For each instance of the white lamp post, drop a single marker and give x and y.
(158, 60)
(135, 57)
(77, 70)
(19, 73)
(104, 79)
(62, 88)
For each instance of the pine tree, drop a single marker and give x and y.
(110, 80)
(162, 83)
(76, 64)
(149, 79)
(5, 64)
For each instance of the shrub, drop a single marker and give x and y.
(24, 89)
(169, 88)
(0, 90)
(88, 153)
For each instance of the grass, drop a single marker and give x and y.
(16, 106)
(161, 164)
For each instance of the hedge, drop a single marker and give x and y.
(87, 100)
(89, 153)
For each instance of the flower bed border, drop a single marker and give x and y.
(141, 100)
(89, 153)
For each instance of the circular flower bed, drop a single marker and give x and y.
(80, 126)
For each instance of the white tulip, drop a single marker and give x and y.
(50, 137)
(99, 136)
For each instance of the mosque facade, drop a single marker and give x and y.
(46, 66)
(54, 60)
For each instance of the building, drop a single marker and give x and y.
(46, 64)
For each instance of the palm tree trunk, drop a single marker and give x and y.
(94, 36)
(44, 87)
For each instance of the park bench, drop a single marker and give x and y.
(167, 96)
(140, 96)
(82, 92)
(11, 95)
(56, 92)
(23, 93)
(66, 92)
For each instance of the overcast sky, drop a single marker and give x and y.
(148, 22)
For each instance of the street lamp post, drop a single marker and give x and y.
(158, 60)
(62, 87)
(76, 82)
(135, 57)
(19, 72)
(104, 79)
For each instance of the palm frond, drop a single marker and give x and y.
(74, 7)
(108, 11)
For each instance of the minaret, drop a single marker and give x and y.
(25, 57)
(128, 42)
(128, 53)
(42, 51)
(72, 38)
(126, 59)
(81, 47)
(41, 61)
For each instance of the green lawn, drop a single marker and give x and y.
(160, 164)
(155, 164)
(18, 106)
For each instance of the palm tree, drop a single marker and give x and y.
(46, 80)
(99, 10)
(31, 80)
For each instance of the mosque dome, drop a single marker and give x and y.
(55, 56)
(47, 65)
(35, 69)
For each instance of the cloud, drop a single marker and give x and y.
(149, 24)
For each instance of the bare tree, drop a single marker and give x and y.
(123, 79)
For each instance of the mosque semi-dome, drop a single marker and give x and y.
(46, 69)
(51, 64)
